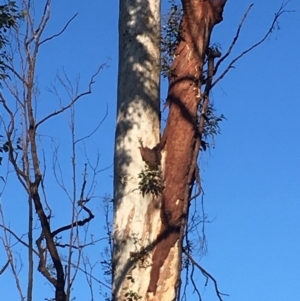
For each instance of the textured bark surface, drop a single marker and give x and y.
(136, 217)
(184, 96)
(148, 230)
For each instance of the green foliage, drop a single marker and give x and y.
(132, 296)
(170, 36)
(150, 181)
(5, 146)
(211, 126)
(169, 41)
(9, 15)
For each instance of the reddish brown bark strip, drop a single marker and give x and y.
(180, 133)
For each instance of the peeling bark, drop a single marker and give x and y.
(148, 230)
(184, 96)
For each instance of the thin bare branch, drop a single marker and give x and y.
(13, 70)
(4, 267)
(76, 223)
(83, 184)
(61, 32)
(86, 263)
(15, 93)
(48, 207)
(194, 284)
(9, 132)
(5, 241)
(96, 129)
(18, 238)
(271, 28)
(89, 91)
(234, 39)
(94, 278)
(206, 274)
(44, 20)
(79, 247)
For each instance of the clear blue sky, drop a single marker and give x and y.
(251, 178)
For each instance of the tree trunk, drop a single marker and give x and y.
(148, 230)
(136, 217)
(180, 136)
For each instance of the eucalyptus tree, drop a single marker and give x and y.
(154, 173)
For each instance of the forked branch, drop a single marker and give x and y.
(271, 28)
(75, 99)
(207, 275)
(234, 39)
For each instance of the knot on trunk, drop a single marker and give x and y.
(151, 156)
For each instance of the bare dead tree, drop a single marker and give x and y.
(59, 251)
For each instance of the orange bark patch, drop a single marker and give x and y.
(181, 129)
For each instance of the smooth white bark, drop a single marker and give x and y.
(136, 218)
